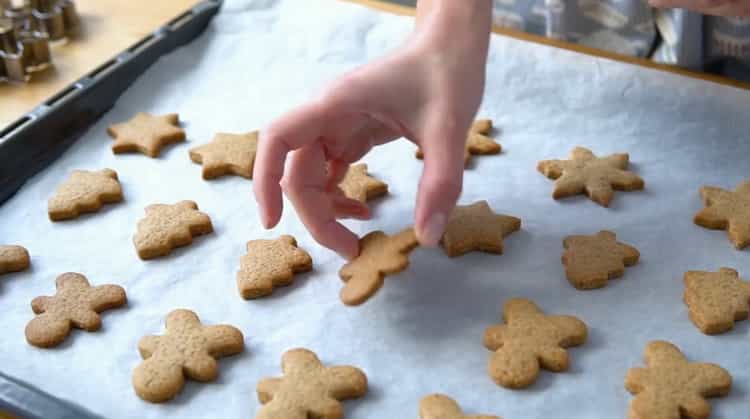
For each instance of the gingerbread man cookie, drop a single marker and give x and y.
(13, 259)
(716, 300)
(597, 177)
(168, 226)
(528, 340)
(727, 210)
(477, 227)
(227, 154)
(590, 261)
(309, 389)
(670, 387)
(84, 192)
(188, 349)
(75, 304)
(360, 186)
(478, 141)
(379, 255)
(146, 133)
(269, 264)
(438, 406)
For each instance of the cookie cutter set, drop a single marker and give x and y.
(26, 32)
(32, 142)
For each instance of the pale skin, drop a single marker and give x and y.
(428, 91)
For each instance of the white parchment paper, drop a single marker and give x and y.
(422, 332)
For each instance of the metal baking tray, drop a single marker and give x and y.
(35, 140)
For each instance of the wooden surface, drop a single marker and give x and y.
(108, 27)
(410, 11)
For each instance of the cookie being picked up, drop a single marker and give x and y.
(227, 154)
(477, 227)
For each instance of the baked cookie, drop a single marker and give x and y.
(269, 264)
(379, 255)
(188, 349)
(146, 133)
(590, 261)
(727, 210)
(477, 227)
(84, 192)
(168, 226)
(75, 304)
(478, 141)
(597, 177)
(528, 340)
(13, 259)
(360, 186)
(671, 387)
(716, 300)
(309, 389)
(227, 154)
(438, 406)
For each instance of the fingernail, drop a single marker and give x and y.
(433, 230)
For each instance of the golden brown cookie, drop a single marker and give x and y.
(716, 300)
(379, 255)
(529, 339)
(227, 154)
(590, 261)
(168, 226)
(438, 406)
(670, 387)
(477, 227)
(360, 186)
(478, 141)
(727, 210)
(75, 304)
(309, 389)
(597, 177)
(269, 264)
(13, 259)
(83, 192)
(187, 349)
(146, 133)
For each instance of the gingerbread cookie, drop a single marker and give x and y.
(75, 304)
(13, 259)
(187, 349)
(269, 264)
(379, 255)
(727, 210)
(360, 186)
(671, 387)
(438, 406)
(478, 141)
(529, 339)
(309, 389)
(716, 300)
(84, 192)
(227, 154)
(146, 133)
(597, 177)
(590, 261)
(168, 226)
(477, 227)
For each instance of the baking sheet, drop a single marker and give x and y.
(422, 332)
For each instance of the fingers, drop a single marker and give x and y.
(290, 132)
(305, 184)
(442, 179)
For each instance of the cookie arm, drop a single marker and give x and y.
(223, 340)
(201, 367)
(105, 297)
(346, 382)
(267, 389)
(630, 254)
(40, 304)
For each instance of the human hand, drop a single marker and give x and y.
(727, 8)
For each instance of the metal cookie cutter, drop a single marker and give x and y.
(26, 32)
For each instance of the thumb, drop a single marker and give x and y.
(441, 182)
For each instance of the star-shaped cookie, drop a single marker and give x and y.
(478, 141)
(727, 210)
(597, 177)
(477, 227)
(360, 186)
(227, 154)
(146, 133)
